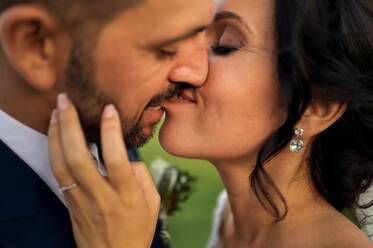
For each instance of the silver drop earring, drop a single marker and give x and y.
(297, 145)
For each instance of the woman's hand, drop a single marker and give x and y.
(118, 211)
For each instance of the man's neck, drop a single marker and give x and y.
(29, 118)
(27, 107)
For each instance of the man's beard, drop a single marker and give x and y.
(80, 86)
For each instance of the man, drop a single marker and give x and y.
(130, 53)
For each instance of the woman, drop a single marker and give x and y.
(314, 85)
(286, 116)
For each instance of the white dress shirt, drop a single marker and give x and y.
(32, 147)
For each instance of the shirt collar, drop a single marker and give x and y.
(31, 146)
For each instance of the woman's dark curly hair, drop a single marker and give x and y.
(325, 53)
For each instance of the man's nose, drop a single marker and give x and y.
(191, 65)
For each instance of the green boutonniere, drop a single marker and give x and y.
(175, 187)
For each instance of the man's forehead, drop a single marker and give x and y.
(162, 21)
(170, 10)
(165, 16)
(218, 3)
(177, 4)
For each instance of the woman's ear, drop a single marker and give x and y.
(319, 116)
(28, 38)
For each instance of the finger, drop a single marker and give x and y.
(149, 190)
(57, 161)
(147, 185)
(78, 159)
(115, 153)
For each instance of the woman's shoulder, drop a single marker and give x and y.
(348, 240)
(330, 231)
(343, 233)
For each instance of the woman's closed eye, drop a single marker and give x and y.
(228, 42)
(223, 50)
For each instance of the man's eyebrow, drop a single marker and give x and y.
(179, 38)
(231, 15)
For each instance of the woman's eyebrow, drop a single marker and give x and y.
(231, 15)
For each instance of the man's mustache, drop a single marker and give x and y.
(163, 97)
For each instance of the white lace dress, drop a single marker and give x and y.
(215, 238)
(364, 216)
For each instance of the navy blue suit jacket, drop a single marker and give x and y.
(30, 214)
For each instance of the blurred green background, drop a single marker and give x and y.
(193, 223)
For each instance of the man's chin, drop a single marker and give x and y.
(134, 138)
(139, 137)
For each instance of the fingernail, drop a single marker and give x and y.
(63, 101)
(110, 112)
(53, 117)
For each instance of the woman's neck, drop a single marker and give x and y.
(252, 223)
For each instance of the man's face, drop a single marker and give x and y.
(138, 59)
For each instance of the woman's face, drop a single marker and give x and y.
(238, 107)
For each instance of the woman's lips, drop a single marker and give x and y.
(187, 94)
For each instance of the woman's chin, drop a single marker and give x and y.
(170, 143)
(175, 144)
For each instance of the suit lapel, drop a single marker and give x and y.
(18, 186)
(31, 215)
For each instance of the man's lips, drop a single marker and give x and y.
(153, 115)
(156, 108)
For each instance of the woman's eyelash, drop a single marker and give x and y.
(223, 50)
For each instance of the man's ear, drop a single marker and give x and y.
(28, 38)
(319, 116)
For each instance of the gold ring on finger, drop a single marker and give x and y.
(68, 188)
